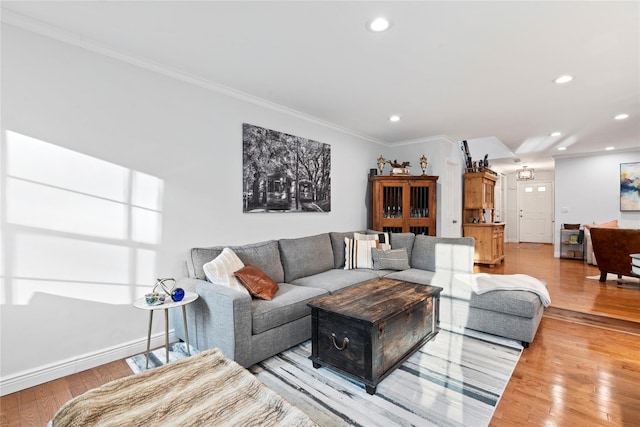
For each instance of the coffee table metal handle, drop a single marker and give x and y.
(345, 341)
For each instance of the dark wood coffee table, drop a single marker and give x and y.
(367, 331)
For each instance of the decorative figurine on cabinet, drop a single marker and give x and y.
(423, 164)
(399, 168)
(381, 163)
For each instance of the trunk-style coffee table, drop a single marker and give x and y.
(367, 331)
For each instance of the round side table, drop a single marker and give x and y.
(141, 303)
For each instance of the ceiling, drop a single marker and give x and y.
(466, 70)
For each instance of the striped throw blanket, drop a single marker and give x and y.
(207, 389)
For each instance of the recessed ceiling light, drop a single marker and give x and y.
(563, 79)
(562, 148)
(378, 24)
(556, 134)
(621, 116)
(394, 118)
(610, 148)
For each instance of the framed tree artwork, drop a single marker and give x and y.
(284, 173)
(630, 186)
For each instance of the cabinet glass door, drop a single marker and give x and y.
(419, 202)
(392, 202)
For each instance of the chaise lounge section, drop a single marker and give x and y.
(249, 330)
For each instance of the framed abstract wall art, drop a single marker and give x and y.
(630, 186)
(284, 173)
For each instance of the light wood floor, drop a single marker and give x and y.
(583, 367)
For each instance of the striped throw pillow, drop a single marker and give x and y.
(381, 237)
(357, 253)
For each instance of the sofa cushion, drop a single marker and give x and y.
(257, 283)
(288, 304)
(333, 280)
(402, 240)
(380, 273)
(519, 303)
(306, 256)
(423, 255)
(264, 255)
(221, 269)
(414, 275)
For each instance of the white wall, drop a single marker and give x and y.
(589, 187)
(116, 117)
(438, 150)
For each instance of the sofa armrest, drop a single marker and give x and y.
(220, 317)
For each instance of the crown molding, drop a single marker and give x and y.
(428, 139)
(47, 30)
(596, 153)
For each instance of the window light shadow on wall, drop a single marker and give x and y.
(74, 225)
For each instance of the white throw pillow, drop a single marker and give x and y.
(220, 270)
(357, 253)
(382, 238)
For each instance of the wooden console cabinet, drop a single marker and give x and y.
(404, 204)
(478, 217)
(489, 242)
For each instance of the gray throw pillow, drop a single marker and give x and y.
(390, 259)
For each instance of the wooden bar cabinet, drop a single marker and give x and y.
(404, 203)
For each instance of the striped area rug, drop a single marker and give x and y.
(454, 380)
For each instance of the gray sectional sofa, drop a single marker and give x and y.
(250, 330)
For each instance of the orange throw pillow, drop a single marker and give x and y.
(610, 224)
(257, 282)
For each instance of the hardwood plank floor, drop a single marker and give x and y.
(568, 285)
(583, 367)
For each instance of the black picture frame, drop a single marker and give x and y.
(283, 172)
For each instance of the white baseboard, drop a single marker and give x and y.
(25, 379)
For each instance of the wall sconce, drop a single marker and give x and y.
(525, 174)
(423, 164)
(381, 162)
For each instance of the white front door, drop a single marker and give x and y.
(535, 211)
